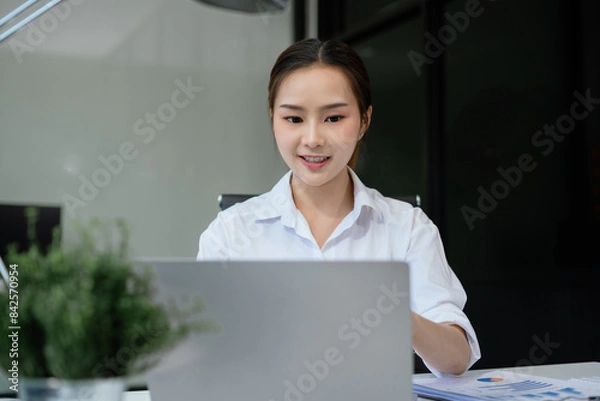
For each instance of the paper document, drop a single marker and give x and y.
(504, 386)
(589, 379)
(591, 384)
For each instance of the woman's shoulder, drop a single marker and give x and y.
(391, 204)
(384, 206)
(397, 211)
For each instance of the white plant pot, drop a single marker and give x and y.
(71, 390)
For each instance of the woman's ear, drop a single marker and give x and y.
(366, 121)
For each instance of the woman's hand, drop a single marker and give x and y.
(443, 346)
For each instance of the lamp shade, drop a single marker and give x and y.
(250, 6)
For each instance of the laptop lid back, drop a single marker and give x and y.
(290, 331)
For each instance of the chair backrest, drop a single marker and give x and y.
(227, 200)
(414, 200)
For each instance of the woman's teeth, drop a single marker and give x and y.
(314, 159)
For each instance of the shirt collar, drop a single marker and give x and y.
(282, 204)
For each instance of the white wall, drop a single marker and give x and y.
(75, 88)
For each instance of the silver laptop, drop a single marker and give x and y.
(290, 331)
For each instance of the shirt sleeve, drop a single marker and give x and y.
(213, 243)
(436, 292)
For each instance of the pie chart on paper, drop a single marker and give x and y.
(490, 379)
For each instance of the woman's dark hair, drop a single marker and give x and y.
(309, 52)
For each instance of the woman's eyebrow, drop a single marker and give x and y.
(325, 107)
(333, 106)
(291, 107)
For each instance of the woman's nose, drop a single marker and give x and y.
(313, 136)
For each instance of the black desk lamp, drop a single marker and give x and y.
(250, 6)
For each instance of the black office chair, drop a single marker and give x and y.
(228, 200)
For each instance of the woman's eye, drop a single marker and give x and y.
(333, 119)
(294, 120)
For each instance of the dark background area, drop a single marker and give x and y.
(13, 227)
(530, 262)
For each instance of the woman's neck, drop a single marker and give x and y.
(334, 199)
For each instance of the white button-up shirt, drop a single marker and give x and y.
(270, 227)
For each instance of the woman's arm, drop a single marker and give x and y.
(443, 346)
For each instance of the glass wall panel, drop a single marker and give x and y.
(392, 158)
(505, 186)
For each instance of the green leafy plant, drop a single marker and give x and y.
(86, 310)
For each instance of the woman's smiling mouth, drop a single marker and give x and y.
(315, 162)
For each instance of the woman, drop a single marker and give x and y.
(320, 108)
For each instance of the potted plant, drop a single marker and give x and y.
(78, 319)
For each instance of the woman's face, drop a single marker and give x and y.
(317, 123)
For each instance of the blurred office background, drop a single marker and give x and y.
(449, 112)
(500, 71)
(78, 90)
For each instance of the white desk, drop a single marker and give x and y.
(564, 372)
(137, 396)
